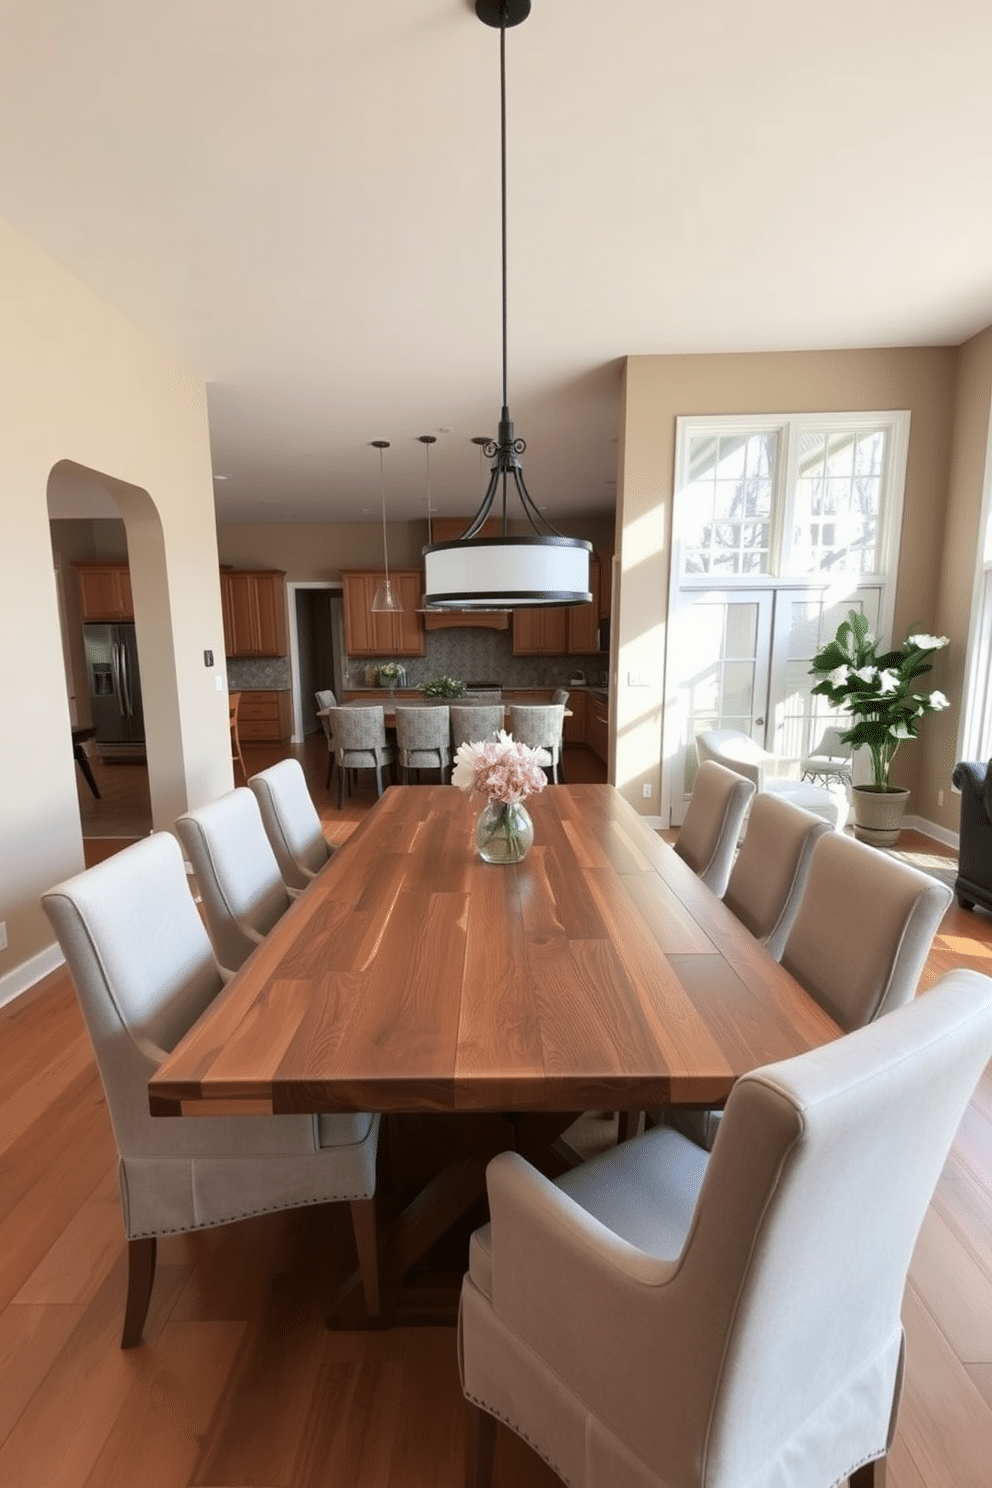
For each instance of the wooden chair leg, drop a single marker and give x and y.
(480, 1447)
(367, 1244)
(871, 1475)
(140, 1275)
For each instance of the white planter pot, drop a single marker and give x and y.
(878, 815)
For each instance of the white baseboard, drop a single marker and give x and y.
(931, 829)
(23, 977)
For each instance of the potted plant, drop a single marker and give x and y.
(878, 694)
(392, 674)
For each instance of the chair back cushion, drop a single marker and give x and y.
(770, 872)
(423, 737)
(538, 725)
(240, 885)
(360, 737)
(708, 836)
(863, 930)
(291, 822)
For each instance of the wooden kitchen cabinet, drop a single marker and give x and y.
(583, 620)
(540, 632)
(264, 717)
(385, 635)
(598, 726)
(574, 728)
(105, 591)
(254, 606)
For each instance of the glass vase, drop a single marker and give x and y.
(504, 832)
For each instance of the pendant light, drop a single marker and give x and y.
(384, 600)
(544, 567)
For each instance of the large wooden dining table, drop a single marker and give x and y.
(411, 976)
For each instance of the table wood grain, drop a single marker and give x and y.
(411, 976)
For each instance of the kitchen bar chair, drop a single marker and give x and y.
(540, 726)
(472, 722)
(423, 740)
(360, 744)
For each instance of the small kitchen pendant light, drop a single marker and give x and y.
(384, 600)
(544, 567)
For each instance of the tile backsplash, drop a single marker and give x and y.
(477, 655)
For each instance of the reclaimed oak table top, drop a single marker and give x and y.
(412, 976)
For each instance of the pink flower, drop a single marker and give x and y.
(502, 769)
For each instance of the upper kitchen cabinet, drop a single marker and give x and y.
(387, 635)
(105, 591)
(540, 632)
(254, 603)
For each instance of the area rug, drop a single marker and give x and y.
(937, 866)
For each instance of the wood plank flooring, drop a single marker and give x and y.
(240, 1385)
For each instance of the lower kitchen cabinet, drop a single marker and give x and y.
(265, 717)
(598, 726)
(575, 727)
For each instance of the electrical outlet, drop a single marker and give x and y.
(3, 935)
(646, 791)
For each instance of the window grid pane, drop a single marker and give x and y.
(732, 482)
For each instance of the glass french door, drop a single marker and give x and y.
(739, 659)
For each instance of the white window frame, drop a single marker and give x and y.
(788, 426)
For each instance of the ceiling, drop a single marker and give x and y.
(301, 201)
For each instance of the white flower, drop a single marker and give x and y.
(865, 673)
(939, 701)
(928, 642)
(900, 731)
(838, 676)
(888, 680)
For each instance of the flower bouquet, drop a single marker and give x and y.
(445, 687)
(391, 674)
(506, 772)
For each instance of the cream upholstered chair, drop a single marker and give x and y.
(471, 722)
(540, 726)
(144, 972)
(291, 822)
(326, 699)
(769, 874)
(858, 942)
(708, 836)
(240, 885)
(662, 1318)
(423, 740)
(829, 759)
(360, 744)
(772, 773)
(561, 695)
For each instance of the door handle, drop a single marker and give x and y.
(115, 662)
(759, 722)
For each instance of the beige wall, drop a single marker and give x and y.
(80, 385)
(657, 389)
(960, 552)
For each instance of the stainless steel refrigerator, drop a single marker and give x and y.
(115, 691)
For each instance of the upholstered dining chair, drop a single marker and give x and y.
(662, 1318)
(423, 740)
(240, 885)
(858, 941)
(291, 822)
(360, 744)
(326, 699)
(772, 774)
(708, 835)
(144, 972)
(561, 695)
(471, 722)
(769, 874)
(540, 727)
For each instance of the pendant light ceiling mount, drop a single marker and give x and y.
(543, 567)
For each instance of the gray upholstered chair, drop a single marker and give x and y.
(423, 740)
(829, 759)
(291, 822)
(471, 722)
(326, 699)
(561, 695)
(858, 942)
(660, 1316)
(360, 744)
(708, 836)
(144, 972)
(540, 726)
(770, 871)
(772, 773)
(237, 874)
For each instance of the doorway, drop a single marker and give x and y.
(316, 650)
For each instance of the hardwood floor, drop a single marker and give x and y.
(240, 1385)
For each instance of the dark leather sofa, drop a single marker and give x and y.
(973, 884)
